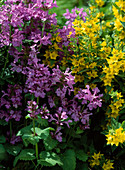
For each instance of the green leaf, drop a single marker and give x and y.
(123, 125)
(69, 160)
(52, 62)
(25, 130)
(43, 133)
(13, 150)
(49, 159)
(2, 139)
(2, 152)
(30, 138)
(19, 48)
(25, 155)
(42, 122)
(79, 131)
(81, 155)
(3, 122)
(50, 143)
(115, 124)
(122, 111)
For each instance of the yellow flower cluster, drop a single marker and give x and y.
(108, 165)
(116, 137)
(52, 52)
(99, 160)
(118, 15)
(115, 63)
(115, 106)
(89, 29)
(100, 3)
(96, 159)
(80, 63)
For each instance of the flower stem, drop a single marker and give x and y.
(36, 146)
(37, 100)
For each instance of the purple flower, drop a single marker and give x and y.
(11, 103)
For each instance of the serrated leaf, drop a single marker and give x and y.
(42, 122)
(2, 139)
(69, 160)
(43, 133)
(50, 143)
(43, 163)
(81, 155)
(30, 138)
(25, 155)
(25, 130)
(48, 158)
(13, 150)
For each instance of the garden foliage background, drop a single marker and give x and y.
(62, 84)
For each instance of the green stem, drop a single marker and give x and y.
(37, 100)
(36, 150)
(36, 146)
(34, 127)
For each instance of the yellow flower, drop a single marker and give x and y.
(92, 7)
(92, 86)
(118, 25)
(103, 43)
(119, 103)
(58, 39)
(78, 78)
(114, 138)
(76, 89)
(108, 24)
(107, 81)
(47, 54)
(95, 160)
(53, 55)
(99, 2)
(119, 95)
(75, 62)
(108, 165)
(109, 139)
(97, 155)
(121, 4)
(56, 46)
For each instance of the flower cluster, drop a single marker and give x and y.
(11, 102)
(98, 160)
(94, 99)
(115, 137)
(63, 109)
